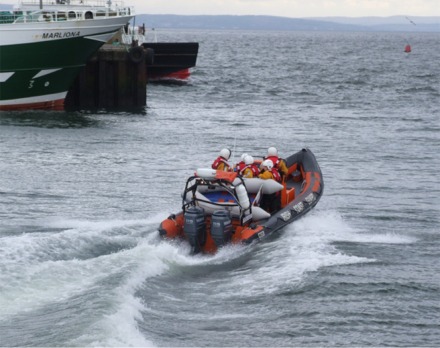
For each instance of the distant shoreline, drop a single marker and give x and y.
(226, 22)
(235, 22)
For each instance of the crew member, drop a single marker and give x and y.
(250, 170)
(270, 202)
(221, 163)
(268, 171)
(240, 165)
(278, 163)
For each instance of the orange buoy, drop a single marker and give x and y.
(407, 48)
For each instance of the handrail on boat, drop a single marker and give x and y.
(79, 3)
(55, 11)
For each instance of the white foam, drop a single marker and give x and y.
(387, 238)
(99, 225)
(330, 226)
(33, 274)
(119, 327)
(40, 269)
(305, 246)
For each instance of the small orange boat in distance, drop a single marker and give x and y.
(219, 207)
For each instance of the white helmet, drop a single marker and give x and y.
(268, 164)
(225, 153)
(272, 151)
(248, 160)
(243, 156)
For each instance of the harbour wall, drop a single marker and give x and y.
(115, 77)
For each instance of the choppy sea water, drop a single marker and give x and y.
(82, 194)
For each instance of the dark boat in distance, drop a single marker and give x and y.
(170, 61)
(220, 208)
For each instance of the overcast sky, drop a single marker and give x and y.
(290, 8)
(287, 8)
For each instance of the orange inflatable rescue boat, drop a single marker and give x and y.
(221, 207)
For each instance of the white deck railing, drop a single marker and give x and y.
(74, 3)
(64, 10)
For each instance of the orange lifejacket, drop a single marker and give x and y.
(275, 160)
(253, 168)
(240, 167)
(274, 174)
(278, 164)
(218, 161)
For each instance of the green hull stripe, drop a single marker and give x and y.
(48, 54)
(65, 57)
(23, 84)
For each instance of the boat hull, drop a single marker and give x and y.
(302, 189)
(39, 61)
(306, 195)
(172, 60)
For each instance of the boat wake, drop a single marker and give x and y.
(91, 268)
(103, 270)
(300, 250)
(94, 268)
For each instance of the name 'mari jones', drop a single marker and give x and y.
(61, 35)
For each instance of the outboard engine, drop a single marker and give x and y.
(221, 227)
(195, 228)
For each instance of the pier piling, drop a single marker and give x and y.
(112, 78)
